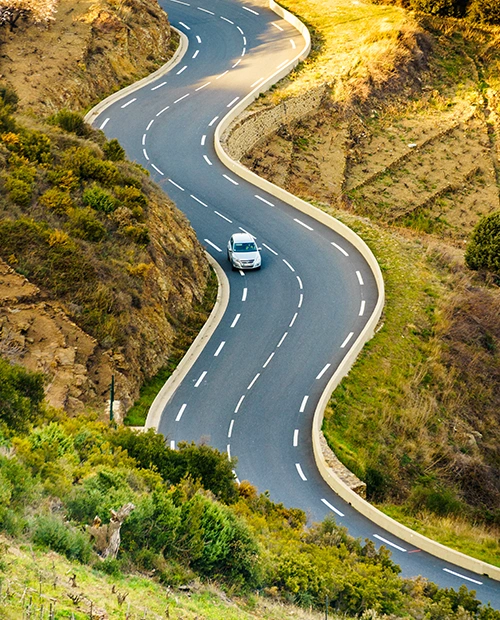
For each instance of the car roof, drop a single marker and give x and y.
(242, 238)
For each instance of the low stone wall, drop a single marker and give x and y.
(250, 128)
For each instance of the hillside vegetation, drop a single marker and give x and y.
(404, 148)
(69, 484)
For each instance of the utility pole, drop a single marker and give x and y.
(111, 397)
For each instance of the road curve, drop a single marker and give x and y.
(253, 389)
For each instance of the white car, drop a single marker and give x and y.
(242, 252)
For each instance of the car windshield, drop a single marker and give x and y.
(245, 247)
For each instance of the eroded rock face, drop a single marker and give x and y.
(37, 334)
(91, 50)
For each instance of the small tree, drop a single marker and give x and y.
(487, 11)
(38, 11)
(483, 251)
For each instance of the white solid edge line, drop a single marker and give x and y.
(388, 542)
(335, 510)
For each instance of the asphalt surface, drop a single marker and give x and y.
(253, 390)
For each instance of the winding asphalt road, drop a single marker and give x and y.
(253, 390)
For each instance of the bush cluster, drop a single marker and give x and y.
(483, 11)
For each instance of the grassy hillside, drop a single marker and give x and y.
(408, 140)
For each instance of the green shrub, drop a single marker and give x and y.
(451, 8)
(19, 191)
(131, 196)
(50, 532)
(84, 225)
(21, 396)
(56, 200)
(113, 150)
(64, 178)
(71, 121)
(85, 163)
(99, 199)
(487, 11)
(139, 234)
(483, 250)
(439, 501)
(8, 96)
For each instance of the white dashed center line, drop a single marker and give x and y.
(181, 411)
(241, 31)
(203, 140)
(145, 154)
(205, 157)
(222, 75)
(388, 542)
(288, 265)
(228, 450)
(253, 381)
(219, 348)
(143, 139)
(340, 249)
(447, 570)
(327, 366)
(198, 200)
(128, 103)
(300, 283)
(282, 339)
(205, 10)
(198, 38)
(202, 376)
(235, 320)
(231, 103)
(230, 431)
(303, 404)
(227, 20)
(244, 295)
(213, 121)
(184, 25)
(362, 308)
(360, 277)
(159, 86)
(268, 360)
(301, 299)
(230, 179)
(236, 64)
(347, 340)
(223, 217)
(203, 86)
(195, 54)
(264, 200)
(295, 437)
(158, 170)
(276, 26)
(302, 224)
(181, 98)
(300, 472)
(257, 82)
(172, 444)
(216, 247)
(270, 249)
(293, 320)
(164, 110)
(176, 185)
(292, 42)
(239, 404)
(149, 124)
(335, 510)
(250, 10)
(104, 123)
